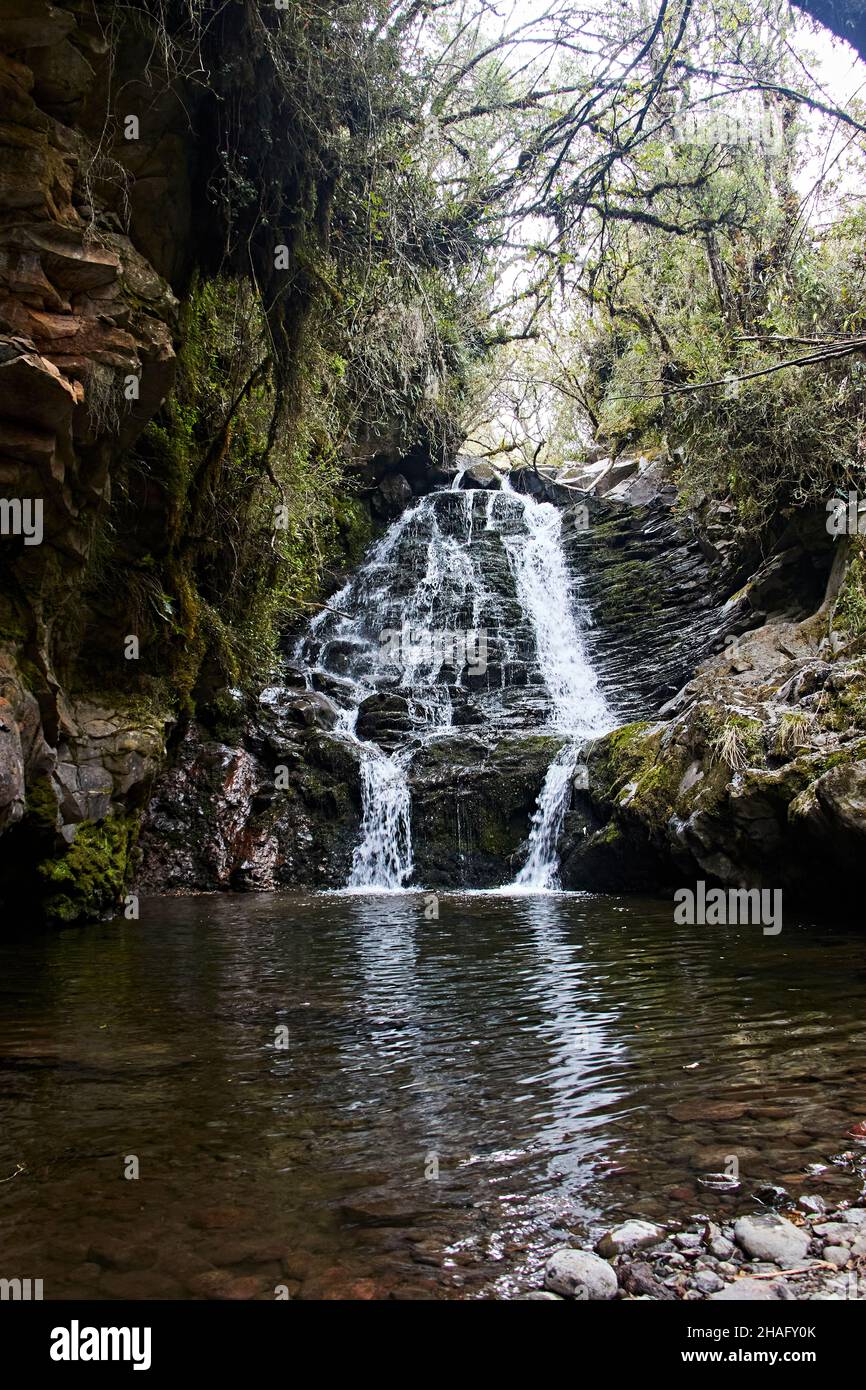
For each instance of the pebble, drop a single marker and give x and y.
(702, 1261)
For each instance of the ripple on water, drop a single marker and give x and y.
(456, 1095)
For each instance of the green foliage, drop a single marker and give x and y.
(89, 879)
(849, 612)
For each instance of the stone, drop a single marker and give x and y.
(117, 1254)
(836, 1254)
(631, 1235)
(838, 1232)
(392, 496)
(771, 1237)
(813, 1204)
(753, 1290)
(579, 1274)
(705, 1281)
(707, 1111)
(481, 475)
(639, 1280)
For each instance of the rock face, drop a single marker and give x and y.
(755, 773)
(86, 357)
(651, 596)
(753, 770)
(471, 807)
(277, 801)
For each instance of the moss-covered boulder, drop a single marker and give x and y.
(89, 880)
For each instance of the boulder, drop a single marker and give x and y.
(771, 1237)
(752, 1291)
(631, 1235)
(579, 1274)
(392, 496)
(481, 475)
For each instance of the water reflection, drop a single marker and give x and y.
(565, 1060)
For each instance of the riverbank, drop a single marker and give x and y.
(808, 1251)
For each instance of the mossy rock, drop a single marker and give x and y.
(88, 880)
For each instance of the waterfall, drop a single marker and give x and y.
(540, 869)
(383, 855)
(545, 591)
(463, 612)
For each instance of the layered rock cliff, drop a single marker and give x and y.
(149, 535)
(86, 358)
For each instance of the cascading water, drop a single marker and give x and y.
(463, 614)
(383, 855)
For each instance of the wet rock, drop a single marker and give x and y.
(539, 1296)
(481, 475)
(219, 1219)
(579, 1274)
(772, 1195)
(392, 496)
(771, 1237)
(117, 1254)
(707, 1111)
(813, 1204)
(472, 803)
(630, 1236)
(384, 719)
(225, 1286)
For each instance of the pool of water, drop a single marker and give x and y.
(347, 1096)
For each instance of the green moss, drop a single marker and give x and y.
(41, 804)
(353, 527)
(89, 879)
(621, 755)
(849, 612)
(492, 834)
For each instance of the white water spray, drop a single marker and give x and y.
(434, 572)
